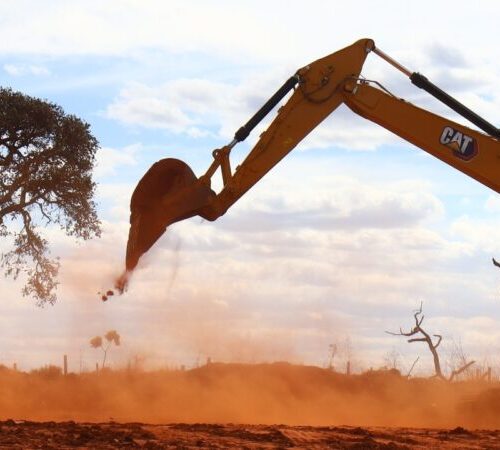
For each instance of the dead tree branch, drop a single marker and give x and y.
(425, 337)
(459, 371)
(412, 367)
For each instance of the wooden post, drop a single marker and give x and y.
(348, 368)
(65, 365)
(15, 367)
(97, 367)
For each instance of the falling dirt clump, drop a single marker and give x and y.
(105, 296)
(120, 286)
(121, 282)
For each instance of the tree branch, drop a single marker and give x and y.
(411, 368)
(401, 333)
(44, 214)
(417, 340)
(459, 371)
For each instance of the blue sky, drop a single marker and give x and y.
(341, 241)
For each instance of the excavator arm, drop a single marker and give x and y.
(317, 92)
(473, 153)
(318, 89)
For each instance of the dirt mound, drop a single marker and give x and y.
(254, 394)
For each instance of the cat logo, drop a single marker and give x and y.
(463, 146)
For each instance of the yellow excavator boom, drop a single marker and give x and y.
(175, 193)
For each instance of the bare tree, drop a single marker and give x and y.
(433, 344)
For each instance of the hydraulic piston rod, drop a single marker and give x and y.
(422, 82)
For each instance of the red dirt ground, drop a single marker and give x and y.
(71, 435)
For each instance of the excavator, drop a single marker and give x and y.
(170, 192)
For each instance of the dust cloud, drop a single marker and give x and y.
(252, 394)
(236, 393)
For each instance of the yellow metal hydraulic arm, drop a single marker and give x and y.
(319, 88)
(472, 152)
(317, 92)
(170, 192)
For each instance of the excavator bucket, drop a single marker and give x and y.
(167, 193)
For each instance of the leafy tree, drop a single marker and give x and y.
(46, 163)
(96, 342)
(112, 337)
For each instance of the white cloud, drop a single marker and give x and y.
(199, 107)
(265, 41)
(12, 69)
(306, 253)
(449, 56)
(340, 203)
(62, 28)
(206, 286)
(483, 234)
(492, 204)
(347, 130)
(164, 107)
(25, 69)
(109, 159)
